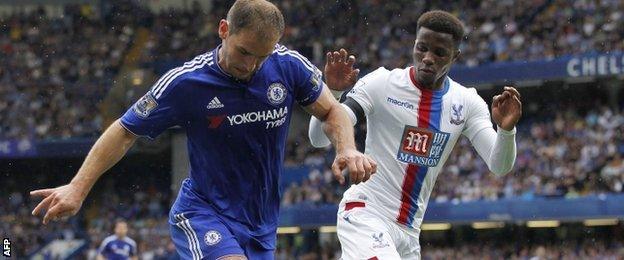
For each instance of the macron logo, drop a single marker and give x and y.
(215, 103)
(400, 103)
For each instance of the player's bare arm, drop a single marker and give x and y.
(337, 126)
(507, 108)
(66, 200)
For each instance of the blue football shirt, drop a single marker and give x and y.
(236, 130)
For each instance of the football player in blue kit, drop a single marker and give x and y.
(235, 104)
(118, 246)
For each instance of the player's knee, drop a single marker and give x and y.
(232, 257)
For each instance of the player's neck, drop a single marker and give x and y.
(221, 61)
(224, 68)
(437, 85)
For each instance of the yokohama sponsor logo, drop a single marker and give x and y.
(258, 116)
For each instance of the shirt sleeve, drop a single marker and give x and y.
(478, 117)
(364, 90)
(307, 78)
(496, 148)
(158, 110)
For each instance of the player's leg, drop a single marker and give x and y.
(203, 236)
(363, 235)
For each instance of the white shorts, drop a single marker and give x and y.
(365, 235)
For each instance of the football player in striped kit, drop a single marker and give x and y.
(414, 118)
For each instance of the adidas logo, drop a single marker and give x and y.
(215, 103)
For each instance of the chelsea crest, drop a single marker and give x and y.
(276, 93)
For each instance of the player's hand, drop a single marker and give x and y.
(60, 202)
(507, 108)
(359, 165)
(339, 72)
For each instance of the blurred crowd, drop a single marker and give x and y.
(381, 33)
(55, 70)
(24, 230)
(538, 29)
(572, 250)
(586, 250)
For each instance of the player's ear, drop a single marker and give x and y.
(223, 29)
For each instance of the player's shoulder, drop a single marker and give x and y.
(380, 72)
(186, 74)
(461, 90)
(375, 77)
(283, 55)
(467, 96)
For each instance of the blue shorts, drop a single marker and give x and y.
(200, 233)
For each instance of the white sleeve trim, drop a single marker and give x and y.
(317, 136)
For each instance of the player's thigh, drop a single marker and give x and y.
(364, 236)
(198, 236)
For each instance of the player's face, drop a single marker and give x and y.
(243, 53)
(434, 53)
(121, 229)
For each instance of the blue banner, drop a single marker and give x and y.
(589, 65)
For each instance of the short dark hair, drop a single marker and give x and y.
(257, 15)
(443, 22)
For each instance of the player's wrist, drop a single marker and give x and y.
(80, 188)
(345, 149)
